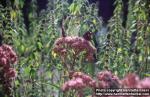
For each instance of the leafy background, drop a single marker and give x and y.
(41, 72)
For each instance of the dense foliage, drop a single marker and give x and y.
(41, 62)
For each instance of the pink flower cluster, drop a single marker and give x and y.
(133, 81)
(77, 44)
(10, 73)
(105, 79)
(79, 80)
(7, 73)
(7, 57)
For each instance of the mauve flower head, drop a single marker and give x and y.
(86, 79)
(79, 81)
(93, 84)
(76, 83)
(145, 83)
(72, 83)
(103, 84)
(1, 50)
(7, 55)
(10, 73)
(78, 44)
(59, 41)
(104, 76)
(89, 58)
(69, 39)
(3, 61)
(6, 47)
(108, 80)
(65, 87)
(13, 57)
(130, 81)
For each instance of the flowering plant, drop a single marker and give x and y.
(71, 47)
(104, 80)
(7, 58)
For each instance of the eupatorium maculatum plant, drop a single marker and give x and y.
(79, 82)
(7, 73)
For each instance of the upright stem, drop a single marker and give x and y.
(1, 38)
(63, 29)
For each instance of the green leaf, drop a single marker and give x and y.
(27, 70)
(33, 72)
(72, 7)
(16, 82)
(22, 48)
(148, 75)
(39, 45)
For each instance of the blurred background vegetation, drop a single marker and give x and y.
(32, 28)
